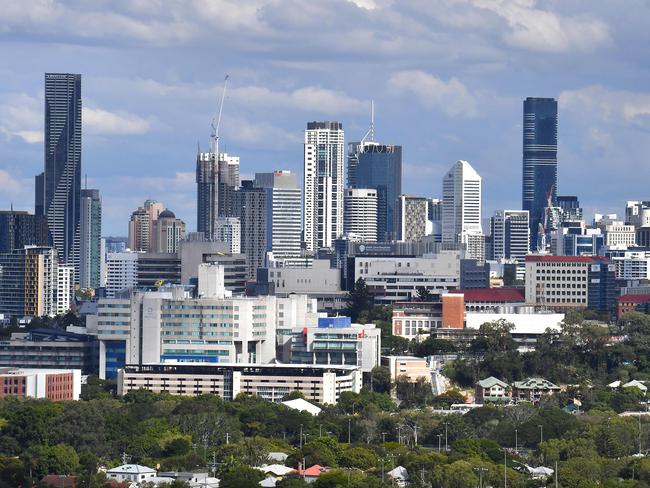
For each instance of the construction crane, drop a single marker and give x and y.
(214, 137)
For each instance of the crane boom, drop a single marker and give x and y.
(215, 127)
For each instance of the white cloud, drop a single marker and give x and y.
(450, 97)
(21, 115)
(259, 134)
(542, 30)
(100, 121)
(597, 103)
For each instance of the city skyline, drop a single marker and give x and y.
(460, 104)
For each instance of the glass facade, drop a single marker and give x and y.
(539, 183)
(115, 354)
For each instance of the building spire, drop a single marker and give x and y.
(370, 135)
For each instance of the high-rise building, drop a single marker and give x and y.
(283, 213)
(461, 209)
(510, 232)
(539, 183)
(28, 282)
(64, 289)
(570, 208)
(216, 178)
(360, 213)
(250, 208)
(411, 216)
(62, 175)
(168, 231)
(353, 162)
(141, 226)
(121, 271)
(323, 184)
(90, 256)
(16, 230)
(380, 167)
(229, 230)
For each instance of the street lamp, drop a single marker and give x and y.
(446, 443)
(480, 475)
(439, 442)
(383, 437)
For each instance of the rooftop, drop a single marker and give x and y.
(634, 298)
(490, 382)
(131, 469)
(505, 295)
(565, 259)
(535, 384)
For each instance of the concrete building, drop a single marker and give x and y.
(64, 289)
(393, 279)
(510, 231)
(168, 231)
(250, 206)
(56, 385)
(492, 390)
(90, 256)
(637, 213)
(632, 303)
(283, 213)
(155, 269)
(408, 367)
(320, 277)
(323, 184)
(492, 299)
(228, 230)
(360, 214)
(411, 216)
(121, 271)
(17, 230)
(569, 282)
(461, 209)
(337, 341)
(318, 383)
(618, 234)
(415, 320)
(141, 226)
(528, 324)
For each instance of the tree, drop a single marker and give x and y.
(358, 457)
(292, 483)
(424, 295)
(241, 477)
(58, 459)
(380, 379)
(359, 299)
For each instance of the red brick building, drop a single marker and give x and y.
(631, 303)
(52, 384)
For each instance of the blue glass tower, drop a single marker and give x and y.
(539, 184)
(379, 167)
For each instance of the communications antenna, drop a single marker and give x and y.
(370, 135)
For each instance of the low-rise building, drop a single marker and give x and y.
(492, 390)
(52, 384)
(410, 367)
(131, 472)
(632, 303)
(533, 389)
(318, 383)
(492, 299)
(412, 320)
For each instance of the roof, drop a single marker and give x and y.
(59, 480)
(491, 381)
(131, 469)
(399, 473)
(302, 405)
(505, 295)
(313, 471)
(277, 456)
(634, 298)
(565, 259)
(269, 482)
(166, 214)
(636, 384)
(276, 469)
(535, 384)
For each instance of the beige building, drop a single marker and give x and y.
(141, 225)
(410, 367)
(618, 234)
(168, 231)
(321, 384)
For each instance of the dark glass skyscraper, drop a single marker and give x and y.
(539, 184)
(379, 167)
(62, 177)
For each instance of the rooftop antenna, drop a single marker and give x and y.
(214, 143)
(370, 135)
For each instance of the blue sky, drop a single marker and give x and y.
(448, 78)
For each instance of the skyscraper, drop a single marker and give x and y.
(379, 167)
(250, 208)
(90, 256)
(360, 214)
(16, 230)
(461, 209)
(539, 183)
(141, 226)
(510, 232)
(283, 213)
(216, 178)
(323, 184)
(168, 231)
(62, 176)
(411, 215)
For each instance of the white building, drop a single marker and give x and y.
(360, 215)
(461, 209)
(121, 271)
(64, 289)
(323, 183)
(632, 265)
(228, 229)
(131, 472)
(411, 217)
(510, 231)
(283, 213)
(618, 234)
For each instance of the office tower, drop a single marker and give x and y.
(250, 208)
(380, 167)
(64, 289)
(168, 231)
(360, 214)
(353, 162)
(16, 230)
(228, 230)
(121, 271)
(28, 282)
(323, 184)
(141, 225)
(62, 176)
(637, 213)
(461, 209)
(216, 178)
(90, 257)
(411, 216)
(570, 208)
(510, 230)
(283, 213)
(539, 182)
(434, 209)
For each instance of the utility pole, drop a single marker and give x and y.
(349, 431)
(300, 437)
(439, 442)
(516, 442)
(480, 475)
(556, 474)
(505, 468)
(446, 444)
(227, 437)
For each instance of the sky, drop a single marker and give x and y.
(448, 78)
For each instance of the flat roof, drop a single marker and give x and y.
(216, 368)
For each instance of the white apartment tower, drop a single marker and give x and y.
(323, 184)
(461, 209)
(360, 210)
(228, 229)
